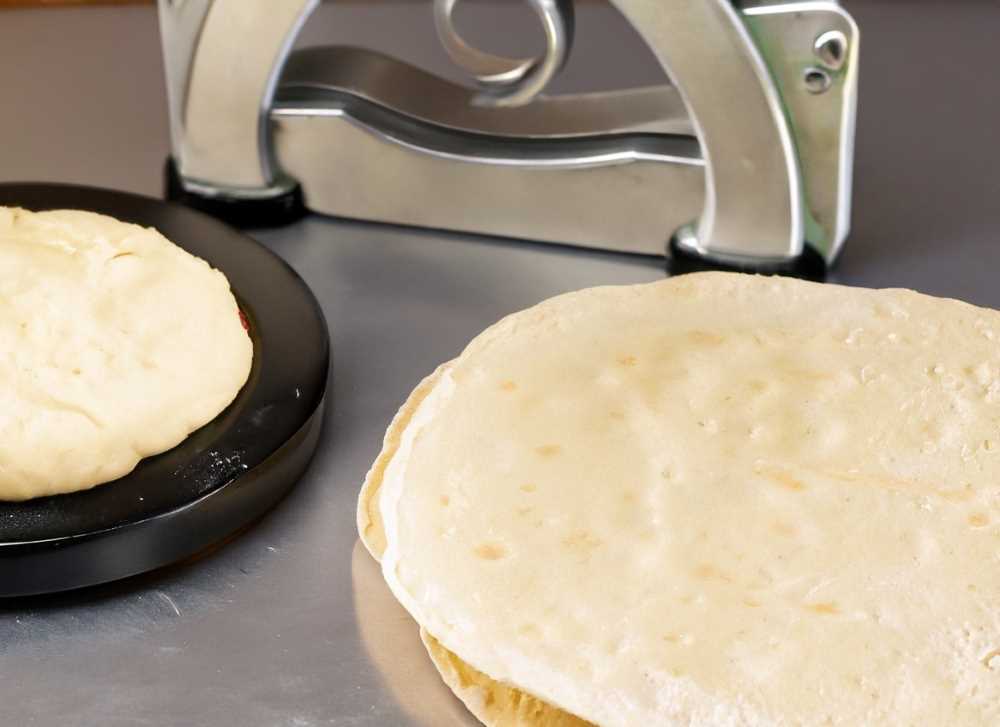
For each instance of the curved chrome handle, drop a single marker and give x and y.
(222, 60)
(511, 81)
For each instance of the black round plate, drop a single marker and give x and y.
(222, 477)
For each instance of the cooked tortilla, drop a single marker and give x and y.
(713, 500)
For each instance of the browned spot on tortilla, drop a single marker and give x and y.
(782, 479)
(979, 520)
(490, 551)
(672, 638)
(616, 414)
(884, 482)
(708, 572)
(508, 386)
(627, 360)
(782, 528)
(807, 374)
(522, 511)
(528, 487)
(445, 500)
(549, 450)
(825, 608)
(704, 338)
(582, 540)
(751, 603)
(988, 659)
(962, 495)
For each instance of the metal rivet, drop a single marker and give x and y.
(816, 80)
(831, 49)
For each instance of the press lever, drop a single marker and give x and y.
(743, 159)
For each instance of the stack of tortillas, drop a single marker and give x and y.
(115, 344)
(714, 500)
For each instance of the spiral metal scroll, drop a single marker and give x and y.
(510, 81)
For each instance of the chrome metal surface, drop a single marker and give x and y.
(816, 80)
(831, 49)
(753, 200)
(823, 115)
(400, 87)
(380, 118)
(222, 59)
(181, 22)
(554, 191)
(289, 625)
(509, 81)
(751, 188)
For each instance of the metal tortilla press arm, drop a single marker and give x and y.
(745, 159)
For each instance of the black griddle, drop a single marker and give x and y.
(226, 474)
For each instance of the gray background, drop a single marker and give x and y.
(289, 624)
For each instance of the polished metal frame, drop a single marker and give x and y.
(745, 158)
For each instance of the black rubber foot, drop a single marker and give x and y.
(809, 266)
(282, 209)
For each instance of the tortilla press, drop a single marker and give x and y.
(223, 476)
(743, 159)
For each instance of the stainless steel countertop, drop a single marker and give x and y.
(289, 623)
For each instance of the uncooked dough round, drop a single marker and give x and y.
(115, 344)
(714, 500)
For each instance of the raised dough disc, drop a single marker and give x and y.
(715, 500)
(115, 344)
